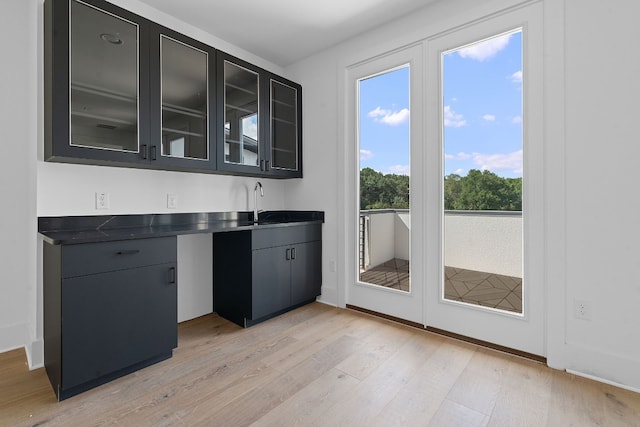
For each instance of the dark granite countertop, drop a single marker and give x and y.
(103, 228)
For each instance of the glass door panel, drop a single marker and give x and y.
(184, 89)
(384, 147)
(483, 173)
(104, 80)
(241, 116)
(284, 126)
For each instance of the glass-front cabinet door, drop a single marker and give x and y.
(240, 116)
(97, 105)
(285, 128)
(259, 121)
(181, 102)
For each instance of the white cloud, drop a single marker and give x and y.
(377, 112)
(399, 169)
(365, 154)
(453, 119)
(459, 171)
(516, 120)
(388, 117)
(485, 49)
(460, 156)
(500, 161)
(516, 77)
(489, 118)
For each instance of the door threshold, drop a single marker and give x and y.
(481, 343)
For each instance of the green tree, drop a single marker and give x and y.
(482, 190)
(380, 191)
(452, 189)
(478, 190)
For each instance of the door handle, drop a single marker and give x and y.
(288, 254)
(293, 253)
(172, 275)
(128, 252)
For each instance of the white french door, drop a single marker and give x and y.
(433, 253)
(482, 240)
(380, 224)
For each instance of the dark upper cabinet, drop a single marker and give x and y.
(259, 121)
(285, 128)
(96, 92)
(182, 83)
(121, 90)
(241, 105)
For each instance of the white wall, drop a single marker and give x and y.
(402, 229)
(484, 242)
(593, 232)
(381, 238)
(18, 117)
(602, 89)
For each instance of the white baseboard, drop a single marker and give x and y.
(35, 354)
(602, 380)
(608, 368)
(328, 296)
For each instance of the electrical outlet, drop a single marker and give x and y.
(102, 200)
(582, 309)
(172, 201)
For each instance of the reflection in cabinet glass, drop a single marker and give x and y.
(104, 80)
(184, 86)
(284, 132)
(241, 115)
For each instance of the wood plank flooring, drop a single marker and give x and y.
(321, 366)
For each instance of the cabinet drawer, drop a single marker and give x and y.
(288, 235)
(91, 258)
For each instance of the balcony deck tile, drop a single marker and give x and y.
(474, 287)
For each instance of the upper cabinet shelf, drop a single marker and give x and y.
(121, 90)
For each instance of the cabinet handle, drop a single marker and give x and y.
(128, 252)
(172, 275)
(293, 253)
(153, 152)
(261, 165)
(144, 151)
(266, 165)
(288, 254)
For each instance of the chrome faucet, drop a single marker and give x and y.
(255, 200)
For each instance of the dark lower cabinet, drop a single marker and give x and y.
(306, 272)
(262, 273)
(110, 309)
(271, 281)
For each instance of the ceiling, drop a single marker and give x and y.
(285, 31)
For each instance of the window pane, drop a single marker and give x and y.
(483, 172)
(384, 224)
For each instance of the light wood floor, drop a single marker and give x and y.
(321, 366)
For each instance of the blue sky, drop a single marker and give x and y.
(482, 111)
